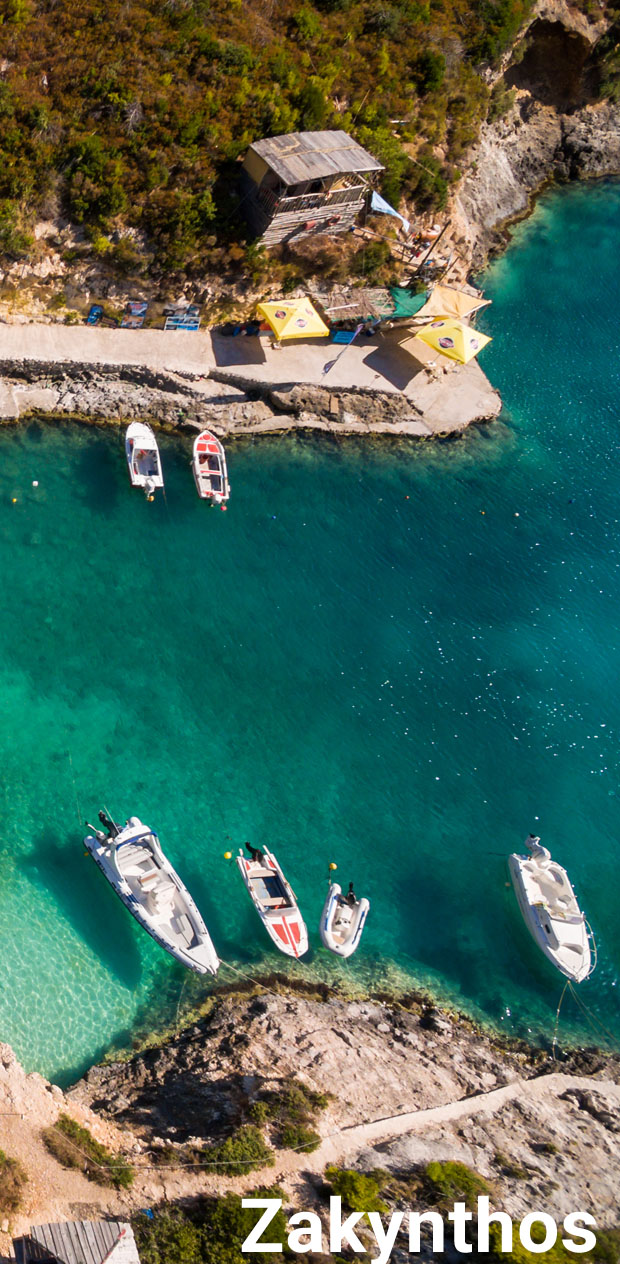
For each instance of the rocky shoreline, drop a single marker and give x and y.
(233, 403)
(393, 1085)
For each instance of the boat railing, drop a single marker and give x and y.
(135, 838)
(593, 947)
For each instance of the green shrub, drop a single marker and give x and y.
(429, 70)
(246, 1151)
(228, 1224)
(13, 1178)
(358, 1191)
(212, 1232)
(14, 242)
(293, 1109)
(370, 261)
(307, 23)
(260, 1112)
(298, 1137)
(74, 1146)
(168, 1239)
(452, 1182)
(501, 101)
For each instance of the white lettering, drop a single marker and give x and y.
(571, 1225)
(339, 1229)
(272, 1206)
(497, 1217)
(415, 1221)
(525, 1232)
(459, 1218)
(311, 1231)
(385, 1239)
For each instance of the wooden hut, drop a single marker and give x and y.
(305, 182)
(77, 1242)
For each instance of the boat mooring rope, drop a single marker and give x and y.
(77, 801)
(590, 1016)
(557, 1019)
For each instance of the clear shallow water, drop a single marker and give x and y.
(402, 658)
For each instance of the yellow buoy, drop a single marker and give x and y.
(14, 500)
(333, 866)
(227, 855)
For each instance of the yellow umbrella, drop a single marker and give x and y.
(293, 318)
(453, 339)
(446, 301)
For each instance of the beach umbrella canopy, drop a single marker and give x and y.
(293, 318)
(453, 339)
(446, 301)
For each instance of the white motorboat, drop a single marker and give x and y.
(133, 862)
(342, 920)
(143, 458)
(274, 901)
(209, 466)
(552, 914)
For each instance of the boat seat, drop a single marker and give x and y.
(149, 880)
(274, 902)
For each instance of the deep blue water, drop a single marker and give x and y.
(400, 657)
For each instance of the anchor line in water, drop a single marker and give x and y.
(589, 1015)
(77, 801)
(557, 1020)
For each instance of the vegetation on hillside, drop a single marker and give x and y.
(211, 1232)
(74, 1146)
(128, 116)
(13, 1178)
(292, 1111)
(244, 1151)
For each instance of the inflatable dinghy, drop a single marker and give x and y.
(342, 921)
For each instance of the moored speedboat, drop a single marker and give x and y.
(274, 901)
(551, 912)
(132, 860)
(209, 466)
(342, 920)
(143, 458)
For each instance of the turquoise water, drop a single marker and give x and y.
(398, 657)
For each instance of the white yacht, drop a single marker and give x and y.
(551, 911)
(132, 860)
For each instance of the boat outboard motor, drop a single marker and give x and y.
(112, 829)
(350, 899)
(257, 856)
(536, 850)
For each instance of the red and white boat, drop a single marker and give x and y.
(209, 466)
(274, 901)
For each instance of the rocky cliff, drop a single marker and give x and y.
(558, 125)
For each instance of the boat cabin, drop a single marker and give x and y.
(305, 182)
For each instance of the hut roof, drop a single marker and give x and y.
(301, 156)
(77, 1242)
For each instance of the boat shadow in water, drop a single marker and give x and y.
(89, 904)
(243, 938)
